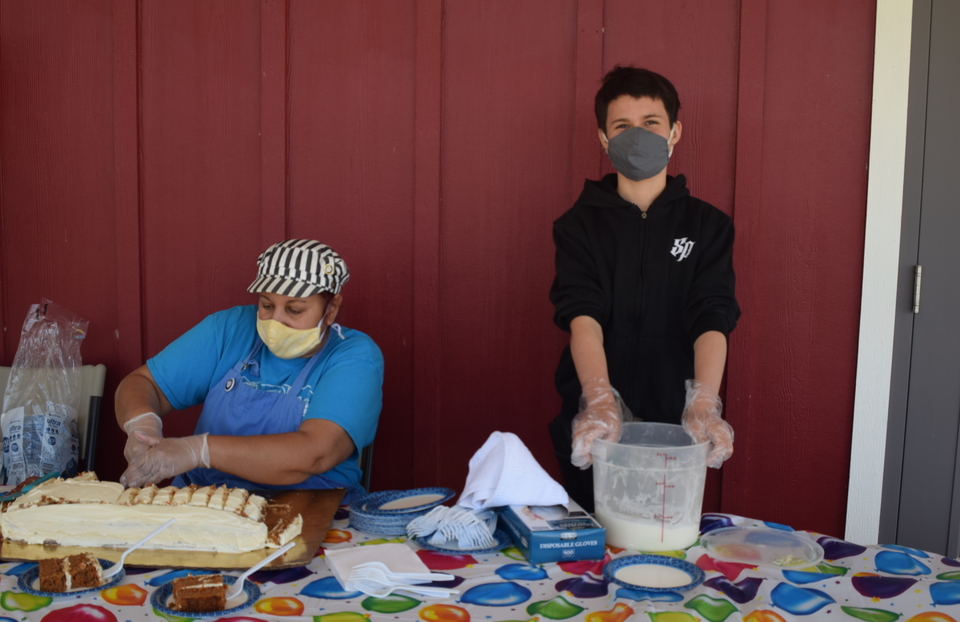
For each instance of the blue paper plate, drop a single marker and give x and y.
(386, 519)
(393, 522)
(372, 525)
(250, 595)
(695, 574)
(372, 504)
(30, 580)
(501, 536)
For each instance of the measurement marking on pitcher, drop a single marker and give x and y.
(663, 497)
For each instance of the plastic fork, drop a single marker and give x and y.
(117, 567)
(377, 584)
(376, 576)
(361, 569)
(468, 529)
(237, 588)
(416, 589)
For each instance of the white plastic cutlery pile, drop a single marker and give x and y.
(456, 527)
(376, 579)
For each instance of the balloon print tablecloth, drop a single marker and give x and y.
(874, 584)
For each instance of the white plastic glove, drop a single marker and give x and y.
(147, 423)
(166, 457)
(601, 415)
(701, 419)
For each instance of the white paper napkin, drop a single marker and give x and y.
(504, 472)
(398, 558)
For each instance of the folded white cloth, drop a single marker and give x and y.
(504, 472)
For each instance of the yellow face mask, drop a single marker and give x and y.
(286, 342)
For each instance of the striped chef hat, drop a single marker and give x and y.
(299, 268)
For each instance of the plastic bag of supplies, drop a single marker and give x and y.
(39, 417)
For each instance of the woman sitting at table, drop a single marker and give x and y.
(289, 396)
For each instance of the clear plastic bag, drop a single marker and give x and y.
(39, 417)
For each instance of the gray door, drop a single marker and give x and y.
(921, 507)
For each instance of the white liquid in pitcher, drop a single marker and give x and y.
(646, 536)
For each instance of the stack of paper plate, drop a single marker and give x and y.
(388, 512)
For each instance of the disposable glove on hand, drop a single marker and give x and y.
(167, 457)
(701, 419)
(601, 415)
(147, 423)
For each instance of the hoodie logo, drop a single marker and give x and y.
(681, 248)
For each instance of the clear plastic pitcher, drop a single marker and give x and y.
(648, 488)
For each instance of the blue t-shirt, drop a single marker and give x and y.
(344, 387)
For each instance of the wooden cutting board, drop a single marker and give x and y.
(316, 506)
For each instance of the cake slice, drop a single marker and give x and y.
(199, 594)
(165, 496)
(70, 573)
(218, 498)
(146, 495)
(253, 508)
(236, 500)
(201, 496)
(284, 530)
(182, 496)
(128, 496)
(58, 490)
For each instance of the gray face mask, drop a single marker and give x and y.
(639, 154)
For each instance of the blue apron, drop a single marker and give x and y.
(233, 408)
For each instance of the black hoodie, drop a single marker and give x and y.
(654, 281)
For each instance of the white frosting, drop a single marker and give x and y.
(204, 582)
(90, 514)
(67, 578)
(95, 525)
(68, 491)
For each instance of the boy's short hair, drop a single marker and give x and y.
(635, 82)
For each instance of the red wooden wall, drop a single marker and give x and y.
(150, 150)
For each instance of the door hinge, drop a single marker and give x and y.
(916, 288)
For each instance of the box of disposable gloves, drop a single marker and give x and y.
(554, 533)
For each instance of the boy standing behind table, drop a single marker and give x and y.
(644, 285)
